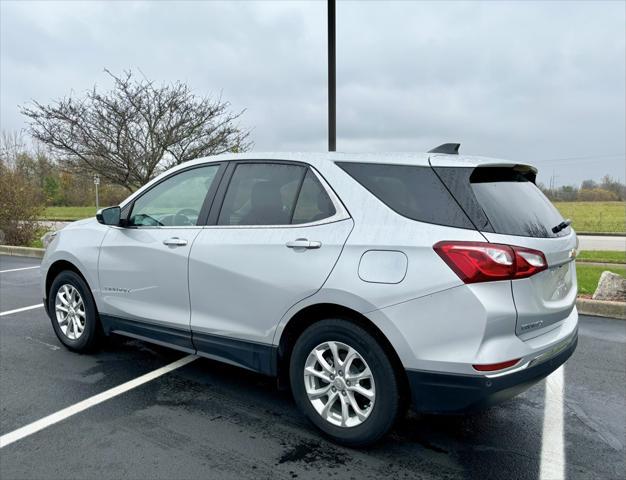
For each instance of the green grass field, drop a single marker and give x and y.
(595, 216)
(601, 256)
(589, 275)
(68, 213)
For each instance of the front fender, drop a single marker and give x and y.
(78, 244)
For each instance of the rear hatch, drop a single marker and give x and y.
(506, 206)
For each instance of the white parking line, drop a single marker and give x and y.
(23, 309)
(45, 422)
(552, 444)
(18, 269)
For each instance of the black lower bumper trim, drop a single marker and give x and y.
(435, 392)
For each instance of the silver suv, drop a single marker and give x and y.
(365, 282)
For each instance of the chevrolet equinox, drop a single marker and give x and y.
(367, 282)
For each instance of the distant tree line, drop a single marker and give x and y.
(52, 185)
(607, 190)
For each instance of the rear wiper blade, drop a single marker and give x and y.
(562, 226)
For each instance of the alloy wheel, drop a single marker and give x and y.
(339, 384)
(70, 311)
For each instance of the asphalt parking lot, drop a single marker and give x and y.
(209, 420)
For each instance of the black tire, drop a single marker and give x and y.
(91, 335)
(387, 402)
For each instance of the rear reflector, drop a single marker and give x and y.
(477, 262)
(492, 367)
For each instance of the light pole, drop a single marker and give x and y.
(332, 80)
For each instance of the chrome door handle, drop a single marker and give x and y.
(175, 242)
(303, 243)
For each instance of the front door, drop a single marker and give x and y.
(143, 267)
(278, 235)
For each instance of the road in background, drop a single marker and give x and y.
(597, 242)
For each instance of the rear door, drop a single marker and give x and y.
(274, 240)
(507, 207)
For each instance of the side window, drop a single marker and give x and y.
(414, 192)
(175, 202)
(261, 194)
(313, 202)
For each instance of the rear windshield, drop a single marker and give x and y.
(413, 192)
(503, 200)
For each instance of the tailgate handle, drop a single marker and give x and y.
(303, 243)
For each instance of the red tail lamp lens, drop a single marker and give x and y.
(477, 262)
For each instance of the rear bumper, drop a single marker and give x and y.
(437, 392)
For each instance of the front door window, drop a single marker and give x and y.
(175, 202)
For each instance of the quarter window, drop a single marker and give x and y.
(412, 191)
(314, 204)
(175, 202)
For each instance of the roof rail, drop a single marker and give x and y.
(449, 148)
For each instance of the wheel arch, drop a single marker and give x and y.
(57, 267)
(311, 314)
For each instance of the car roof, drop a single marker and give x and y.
(320, 159)
(397, 158)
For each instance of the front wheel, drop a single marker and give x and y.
(343, 381)
(72, 311)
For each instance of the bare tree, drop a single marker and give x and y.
(136, 130)
(11, 146)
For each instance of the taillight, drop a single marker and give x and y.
(477, 262)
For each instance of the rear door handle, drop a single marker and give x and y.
(303, 243)
(175, 242)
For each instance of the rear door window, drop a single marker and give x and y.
(414, 192)
(274, 194)
(261, 194)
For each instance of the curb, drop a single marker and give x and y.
(70, 220)
(22, 251)
(601, 308)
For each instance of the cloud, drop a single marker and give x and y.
(529, 81)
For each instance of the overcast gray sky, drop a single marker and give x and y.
(541, 82)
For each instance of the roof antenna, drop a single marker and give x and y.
(449, 148)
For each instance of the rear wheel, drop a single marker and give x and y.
(344, 383)
(72, 311)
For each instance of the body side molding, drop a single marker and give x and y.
(258, 357)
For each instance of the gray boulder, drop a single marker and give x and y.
(611, 287)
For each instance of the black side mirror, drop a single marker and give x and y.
(109, 216)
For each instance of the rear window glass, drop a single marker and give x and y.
(413, 192)
(513, 203)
